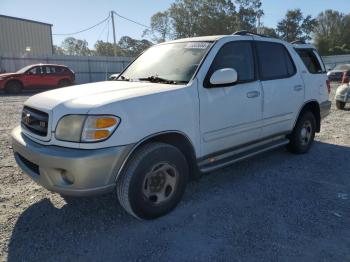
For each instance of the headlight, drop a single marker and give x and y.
(82, 128)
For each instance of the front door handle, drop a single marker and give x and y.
(298, 87)
(253, 94)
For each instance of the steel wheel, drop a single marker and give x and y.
(160, 183)
(306, 133)
(302, 137)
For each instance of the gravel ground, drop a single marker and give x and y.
(274, 207)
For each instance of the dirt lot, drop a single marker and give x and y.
(274, 207)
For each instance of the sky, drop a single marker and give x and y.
(69, 16)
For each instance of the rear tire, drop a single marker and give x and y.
(64, 83)
(303, 133)
(340, 105)
(153, 181)
(13, 87)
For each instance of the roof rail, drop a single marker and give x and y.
(245, 32)
(298, 42)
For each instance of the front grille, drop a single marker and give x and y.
(33, 167)
(35, 121)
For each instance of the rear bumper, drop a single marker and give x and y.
(343, 98)
(325, 108)
(74, 172)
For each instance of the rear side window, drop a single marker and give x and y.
(48, 70)
(311, 61)
(274, 61)
(236, 55)
(59, 69)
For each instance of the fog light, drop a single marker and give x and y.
(66, 177)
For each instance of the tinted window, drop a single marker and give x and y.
(35, 71)
(236, 55)
(274, 61)
(59, 69)
(310, 60)
(48, 70)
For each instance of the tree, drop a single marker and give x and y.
(269, 31)
(295, 26)
(73, 46)
(57, 50)
(332, 33)
(107, 49)
(133, 47)
(205, 17)
(189, 18)
(248, 13)
(160, 30)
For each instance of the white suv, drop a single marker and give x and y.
(182, 108)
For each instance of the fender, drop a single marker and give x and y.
(148, 138)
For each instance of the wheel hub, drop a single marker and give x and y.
(306, 133)
(160, 183)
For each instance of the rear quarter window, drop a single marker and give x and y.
(311, 61)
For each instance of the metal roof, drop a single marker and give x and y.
(25, 20)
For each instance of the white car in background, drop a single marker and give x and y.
(182, 108)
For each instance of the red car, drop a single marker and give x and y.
(37, 76)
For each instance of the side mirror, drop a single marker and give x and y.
(225, 76)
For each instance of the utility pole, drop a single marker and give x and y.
(259, 24)
(114, 39)
(259, 15)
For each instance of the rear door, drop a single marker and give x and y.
(313, 74)
(50, 76)
(283, 87)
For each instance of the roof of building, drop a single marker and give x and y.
(25, 20)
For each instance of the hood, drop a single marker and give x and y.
(87, 96)
(8, 75)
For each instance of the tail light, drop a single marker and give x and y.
(345, 78)
(328, 86)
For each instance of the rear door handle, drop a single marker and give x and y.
(253, 94)
(298, 87)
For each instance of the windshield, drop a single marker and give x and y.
(24, 69)
(168, 63)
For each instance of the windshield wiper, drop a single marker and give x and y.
(122, 78)
(157, 79)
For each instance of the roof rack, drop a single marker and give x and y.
(245, 32)
(298, 42)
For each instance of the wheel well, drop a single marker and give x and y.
(64, 79)
(181, 142)
(14, 80)
(314, 107)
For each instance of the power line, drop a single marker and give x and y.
(84, 30)
(103, 29)
(130, 20)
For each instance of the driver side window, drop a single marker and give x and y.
(236, 55)
(35, 71)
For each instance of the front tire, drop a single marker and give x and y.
(153, 181)
(303, 134)
(340, 105)
(13, 87)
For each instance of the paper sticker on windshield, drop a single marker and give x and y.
(197, 45)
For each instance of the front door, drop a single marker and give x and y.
(231, 115)
(34, 77)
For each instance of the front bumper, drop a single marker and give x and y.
(67, 171)
(325, 108)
